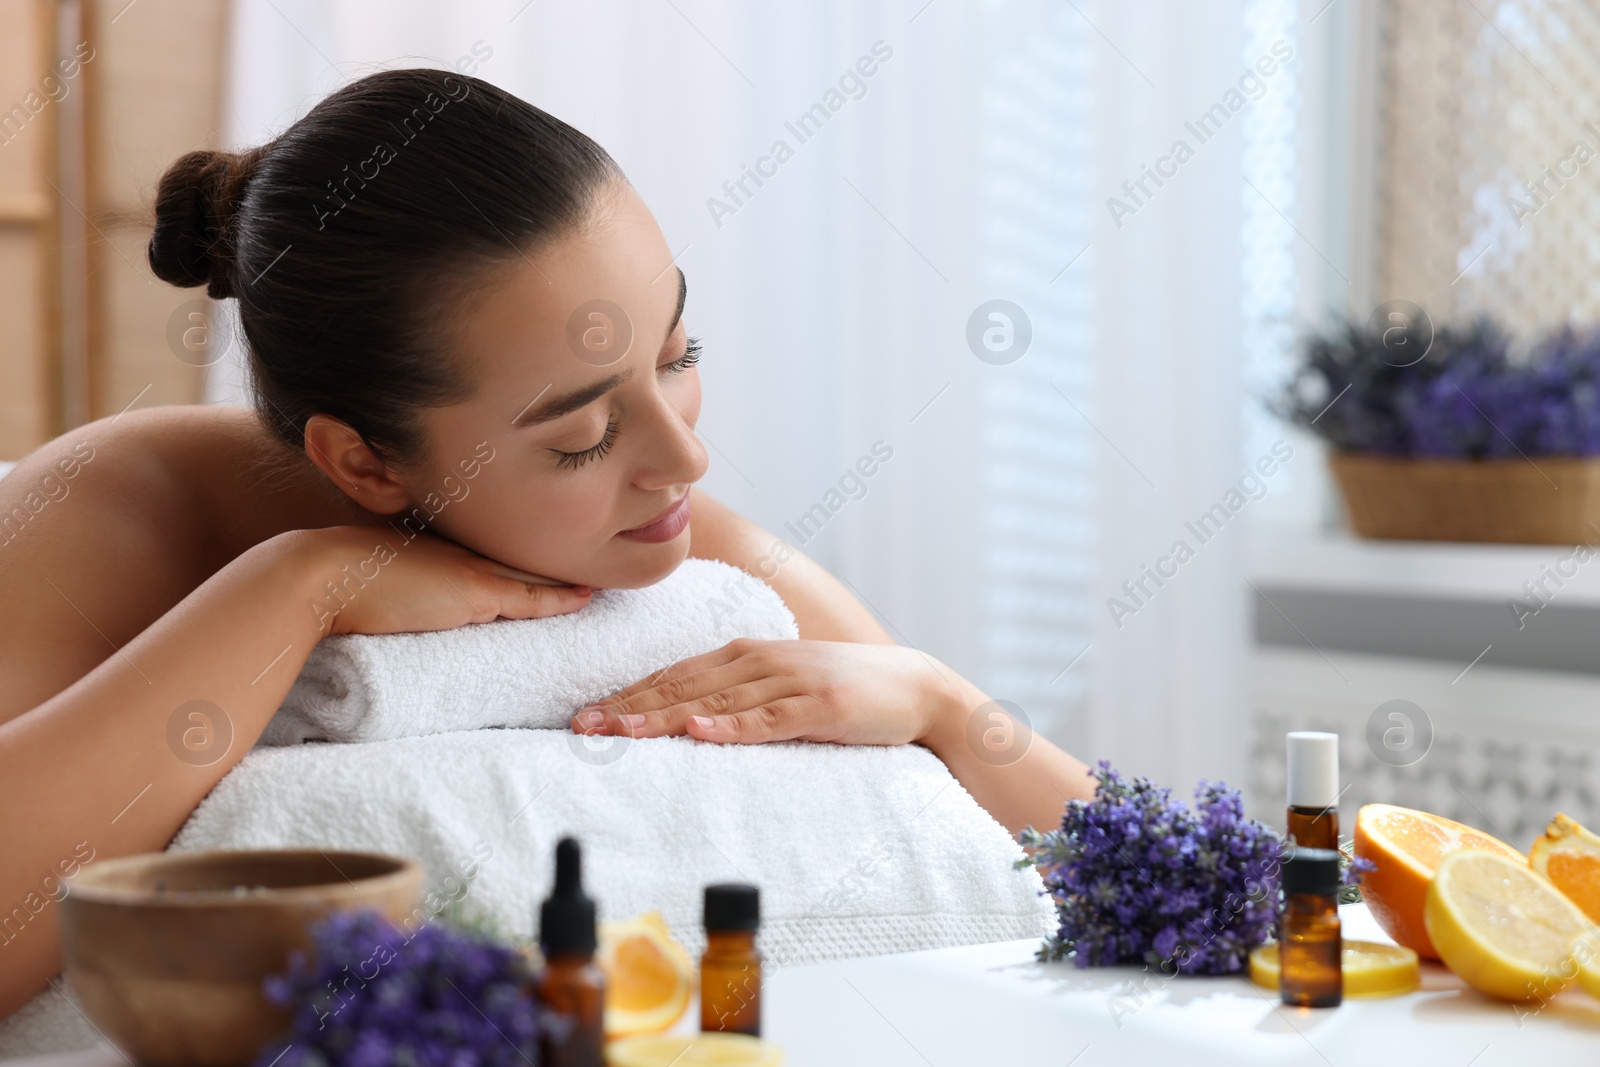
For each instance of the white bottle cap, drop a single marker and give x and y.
(1313, 769)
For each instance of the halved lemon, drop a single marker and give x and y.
(1569, 855)
(648, 975)
(1586, 950)
(1369, 968)
(1503, 927)
(1406, 845)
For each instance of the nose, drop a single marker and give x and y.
(674, 454)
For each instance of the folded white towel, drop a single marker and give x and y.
(858, 850)
(522, 672)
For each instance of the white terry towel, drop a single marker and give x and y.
(522, 672)
(858, 850)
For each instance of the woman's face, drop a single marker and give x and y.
(582, 423)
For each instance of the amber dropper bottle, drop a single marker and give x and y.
(1313, 789)
(571, 987)
(1310, 945)
(730, 970)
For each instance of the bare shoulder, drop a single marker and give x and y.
(102, 530)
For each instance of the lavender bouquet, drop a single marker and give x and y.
(1137, 876)
(1470, 397)
(372, 996)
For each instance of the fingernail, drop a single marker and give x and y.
(632, 720)
(582, 590)
(591, 718)
(705, 722)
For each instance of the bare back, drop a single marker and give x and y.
(104, 529)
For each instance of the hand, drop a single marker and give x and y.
(382, 583)
(751, 691)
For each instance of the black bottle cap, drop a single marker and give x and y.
(1311, 870)
(732, 906)
(567, 919)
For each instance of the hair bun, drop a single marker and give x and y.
(192, 243)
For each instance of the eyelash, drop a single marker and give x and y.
(574, 460)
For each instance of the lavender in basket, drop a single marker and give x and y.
(1469, 398)
(372, 996)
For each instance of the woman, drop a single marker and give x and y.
(460, 317)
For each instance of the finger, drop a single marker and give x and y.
(685, 687)
(678, 684)
(525, 576)
(719, 702)
(715, 658)
(784, 719)
(512, 599)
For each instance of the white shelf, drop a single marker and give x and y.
(1337, 561)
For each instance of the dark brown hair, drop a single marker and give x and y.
(350, 238)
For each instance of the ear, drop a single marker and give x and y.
(358, 471)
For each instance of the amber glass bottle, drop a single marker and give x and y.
(1310, 945)
(730, 970)
(1313, 818)
(570, 986)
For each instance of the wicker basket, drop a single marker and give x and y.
(1548, 500)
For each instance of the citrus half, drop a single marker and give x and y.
(1503, 927)
(1406, 846)
(648, 975)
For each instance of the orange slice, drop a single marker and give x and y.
(648, 975)
(1569, 856)
(1407, 846)
(1503, 927)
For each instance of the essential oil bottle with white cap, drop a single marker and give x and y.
(1313, 820)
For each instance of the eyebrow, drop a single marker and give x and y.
(556, 407)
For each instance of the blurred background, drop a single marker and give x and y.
(1052, 257)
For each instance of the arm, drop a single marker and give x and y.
(823, 608)
(89, 773)
(104, 767)
(852, 693)
(1020, 778)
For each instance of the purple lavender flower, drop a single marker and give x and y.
(370, 996)
(1470, 398)
(1137, 876)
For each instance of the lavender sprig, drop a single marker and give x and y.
(371, 996)
(1472, 397)
(1137, 876)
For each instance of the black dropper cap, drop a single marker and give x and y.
(1311, 870)
(566, 919)
(732, 906)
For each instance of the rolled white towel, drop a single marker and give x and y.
(522, 672)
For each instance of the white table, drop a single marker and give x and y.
(995, 1004)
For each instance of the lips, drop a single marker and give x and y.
(670, 508)
(665, 527)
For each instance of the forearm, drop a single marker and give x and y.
(104, 769)
(1020, 778)
(824, 610)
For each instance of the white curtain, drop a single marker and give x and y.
(973, 164)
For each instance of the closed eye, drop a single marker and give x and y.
(691, 356)
(575, 460)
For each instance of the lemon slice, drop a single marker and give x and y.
(1369, 968)
(648, 975)
(1503, 927)
(1586, 950)
(700, 1050)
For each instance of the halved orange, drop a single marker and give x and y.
(648, 975)
(1407, 845)
(1569, 855)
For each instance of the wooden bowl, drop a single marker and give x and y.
(167, 950)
